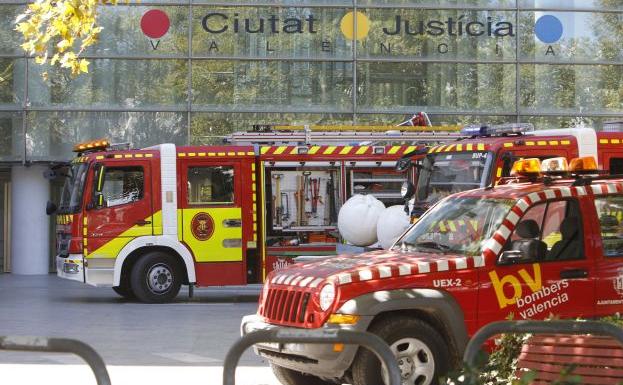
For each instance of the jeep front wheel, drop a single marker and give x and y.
(421, 352)
(156, 278)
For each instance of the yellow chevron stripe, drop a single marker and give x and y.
(264, 150)
(394, 149)
(313, 150)
(345, 150)
(329, 150)
(362, 150)
(280, 150)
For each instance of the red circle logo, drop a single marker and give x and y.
(155, 23)
(202, 226)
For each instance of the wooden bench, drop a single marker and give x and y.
(598, 360)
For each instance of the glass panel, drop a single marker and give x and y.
(547, 122)
(51, 135)
(139, 30)
(436, 87)
(436, 119)
(572, 4)
(11, 139)
(442, 34)
(441, 3)
(210, 185)
(570, 36)
(573, 90)
(114, 83)
(276, 85)
(610, 213)
(211, 128)
(292, 3)
(8, 36)
(269, 32)
(122, 185)
(11, 81)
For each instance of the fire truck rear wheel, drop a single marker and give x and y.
(421, 352)
(156, 278)
(292, 377)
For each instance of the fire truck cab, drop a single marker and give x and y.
(148, 221)
(486, 154)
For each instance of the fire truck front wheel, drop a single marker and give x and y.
(421, 351)
(156, 277)
(292, 377)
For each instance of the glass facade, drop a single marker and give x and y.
(189, 72)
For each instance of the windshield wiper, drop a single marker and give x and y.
(433, 245)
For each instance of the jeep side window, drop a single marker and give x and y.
(548, 232)
(610, 214)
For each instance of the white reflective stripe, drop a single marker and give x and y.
(316, 282)
(365, 275)
(423, 267)
(385, 271)
(404, 269)
(296, 280)
(523, 205)
(306, 281)
(495, 246)
(344, 278)
(281, 278)
(461, 263)
(274, 280)
(565, 191)
(479, 261)
(504, 231)
(288, 280)
(581, 190)
(612, 188)
(513, 218)
(534, 197)
(442, 265)
(596, 189)
(549, 194)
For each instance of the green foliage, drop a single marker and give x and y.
(59, 31)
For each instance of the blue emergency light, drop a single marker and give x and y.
(496, 130)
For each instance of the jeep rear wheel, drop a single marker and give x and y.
(156, 278)
(421, 352)
(292, 377)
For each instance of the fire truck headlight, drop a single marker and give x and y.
(327, 296)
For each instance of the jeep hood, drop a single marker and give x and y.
(383, 264)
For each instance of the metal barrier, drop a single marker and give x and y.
(367, 340)
(59, 345)
(536, 327)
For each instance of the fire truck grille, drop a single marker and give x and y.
(285, 306)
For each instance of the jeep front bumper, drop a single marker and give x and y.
(326, 361)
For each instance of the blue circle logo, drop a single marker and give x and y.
(548, 29)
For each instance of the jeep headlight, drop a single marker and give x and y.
(327, 296)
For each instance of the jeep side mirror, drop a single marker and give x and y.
(510, 257)
(50, 208)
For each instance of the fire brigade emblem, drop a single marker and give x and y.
(202, 226)
(618, 282)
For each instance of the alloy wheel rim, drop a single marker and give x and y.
(415, 361)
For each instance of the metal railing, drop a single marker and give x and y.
(367, 340)
(59, 345)
(537, 327)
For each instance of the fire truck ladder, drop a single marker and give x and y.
(362, 135)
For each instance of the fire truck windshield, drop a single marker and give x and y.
(71, 197)
(445, 173)
(456, 226)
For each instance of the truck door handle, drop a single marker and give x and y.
(573, 273)
(142, 223)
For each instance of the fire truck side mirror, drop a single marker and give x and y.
(407, 190)
(97, 199)
(50, 208)
(403, 164)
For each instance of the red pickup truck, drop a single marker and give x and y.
(548, 241)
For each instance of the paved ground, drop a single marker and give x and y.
(185, 340)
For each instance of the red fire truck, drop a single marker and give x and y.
(147, 221)
(548, 241)
(486, 154)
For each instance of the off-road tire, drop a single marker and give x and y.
(292, 377)
(366, 368)
(156, 277)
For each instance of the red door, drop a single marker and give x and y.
(120, 206)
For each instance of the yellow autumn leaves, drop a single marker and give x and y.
(58, 31)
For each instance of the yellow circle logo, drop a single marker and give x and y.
(347, 25)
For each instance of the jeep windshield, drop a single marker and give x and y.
(71, 197)
(445, 173)
(456, 226)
